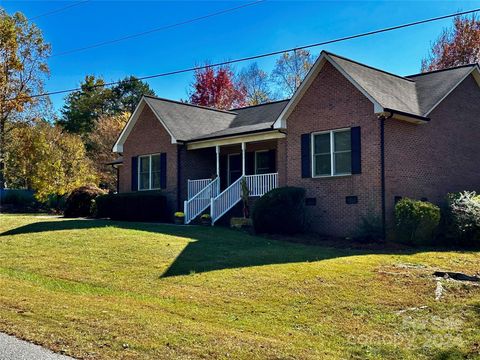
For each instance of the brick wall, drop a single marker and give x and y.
(442, 156)
(332, 102)
(148, 136)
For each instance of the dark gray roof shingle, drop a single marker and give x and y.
(433, 86)
(389, 90)
(188, 122)
(414, 94)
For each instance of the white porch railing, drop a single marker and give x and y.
(194, 186)
(261, 184)
(257, 185)
(201, 200)
(225, 200)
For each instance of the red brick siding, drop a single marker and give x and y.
(148, 136)
(332, 102)
(442, 156)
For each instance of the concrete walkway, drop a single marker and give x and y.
(12, 348)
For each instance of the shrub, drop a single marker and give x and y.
(134, 206)
(281, 211)
(370, 229)
(79, 201)
(18, 197)
(461, 219)
(416, 221)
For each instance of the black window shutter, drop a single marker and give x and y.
(356, 150)
(134, 173)
(163, 170)
(250, 163)
(272, 161)
(306, 157)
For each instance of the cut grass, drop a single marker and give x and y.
(115, 290)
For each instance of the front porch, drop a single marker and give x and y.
(254, 162)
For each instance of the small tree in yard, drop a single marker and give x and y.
(100, 142)
(456, 46)
(43, 158)
(245, 194)
(216, 88)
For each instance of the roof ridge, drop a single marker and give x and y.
(188, 104)
(267, 103)
(368, 66)
(440, 70)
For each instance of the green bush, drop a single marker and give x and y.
(370, 229)
(280, 211)
(416, 221)
(134, 206)
(79, 202)
(461, 219)
(18, 197)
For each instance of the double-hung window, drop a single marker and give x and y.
(149, 172)
(331, 153)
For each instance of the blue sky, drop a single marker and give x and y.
(267, 26)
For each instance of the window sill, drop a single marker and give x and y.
(331, 176)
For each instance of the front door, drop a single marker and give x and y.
(234, 167)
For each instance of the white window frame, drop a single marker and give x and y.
(255, 160)
(149, 156)
(332, 153)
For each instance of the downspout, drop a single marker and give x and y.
(382, 119)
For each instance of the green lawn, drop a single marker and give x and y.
(116, 290)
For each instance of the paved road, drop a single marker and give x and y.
(12, 348)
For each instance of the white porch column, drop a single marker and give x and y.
(243, 158)
(217, 151)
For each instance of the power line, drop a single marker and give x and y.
(253, 57)
(54, 11)
(165, 27)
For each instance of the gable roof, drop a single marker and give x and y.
(432, 87)
(186, 122)
(412, 96)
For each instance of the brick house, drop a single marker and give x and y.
(355, 137)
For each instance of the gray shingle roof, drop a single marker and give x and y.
(433, 86)
(414, 94)
(187, 121)
(190, 122)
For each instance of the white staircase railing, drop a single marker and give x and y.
(226, 200)
(195, 186)
(257, 185)
(201, 200)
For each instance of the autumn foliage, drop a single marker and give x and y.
(216, 87)
(456, 46)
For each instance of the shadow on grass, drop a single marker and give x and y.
(215, 248)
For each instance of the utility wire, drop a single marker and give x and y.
(161, 28)
(253, 57)
(54, 11)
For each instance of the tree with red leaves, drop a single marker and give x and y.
(459, 45)
(217, 88)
